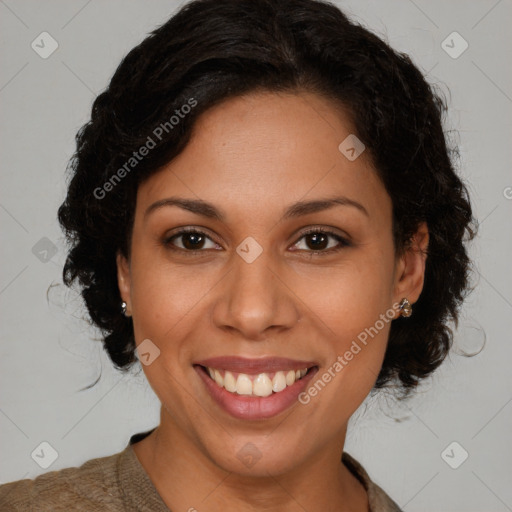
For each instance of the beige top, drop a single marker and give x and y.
(119, 483)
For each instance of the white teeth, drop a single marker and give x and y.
(290, 378)
(229, 382)
(262, 385)
(278, 382)
(243, 385)
(256, 385)
(218, 378)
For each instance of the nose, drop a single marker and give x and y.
(253, 299)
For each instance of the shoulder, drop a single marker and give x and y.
(379, 501)
(93, 486)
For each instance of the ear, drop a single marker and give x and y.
(410, 269)
(124, 279)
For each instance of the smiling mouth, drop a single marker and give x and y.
(258, 385)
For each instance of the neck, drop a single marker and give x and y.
(187, 478)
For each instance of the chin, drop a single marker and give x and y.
(257, 456)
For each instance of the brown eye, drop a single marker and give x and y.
(317, 241)
(189, 240)
(193, 241)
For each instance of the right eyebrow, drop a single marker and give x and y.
(197, 206)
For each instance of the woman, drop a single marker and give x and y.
(263, 211)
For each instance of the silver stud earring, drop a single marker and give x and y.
(405, 308)
(123, 308)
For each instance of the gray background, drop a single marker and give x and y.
(48, 352)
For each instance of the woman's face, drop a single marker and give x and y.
(246, 286)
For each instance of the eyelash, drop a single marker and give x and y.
(343, 242)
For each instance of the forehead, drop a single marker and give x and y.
(268, 149)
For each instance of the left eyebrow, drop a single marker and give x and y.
(307, 207)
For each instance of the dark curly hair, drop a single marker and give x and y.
(212, 50)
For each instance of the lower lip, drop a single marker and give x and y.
(254, 407)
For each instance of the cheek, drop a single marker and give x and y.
(165, 301)
(353, 308)
(359, 329)
(163, 294)
(351, 296)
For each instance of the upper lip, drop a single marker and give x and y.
(260, 365)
